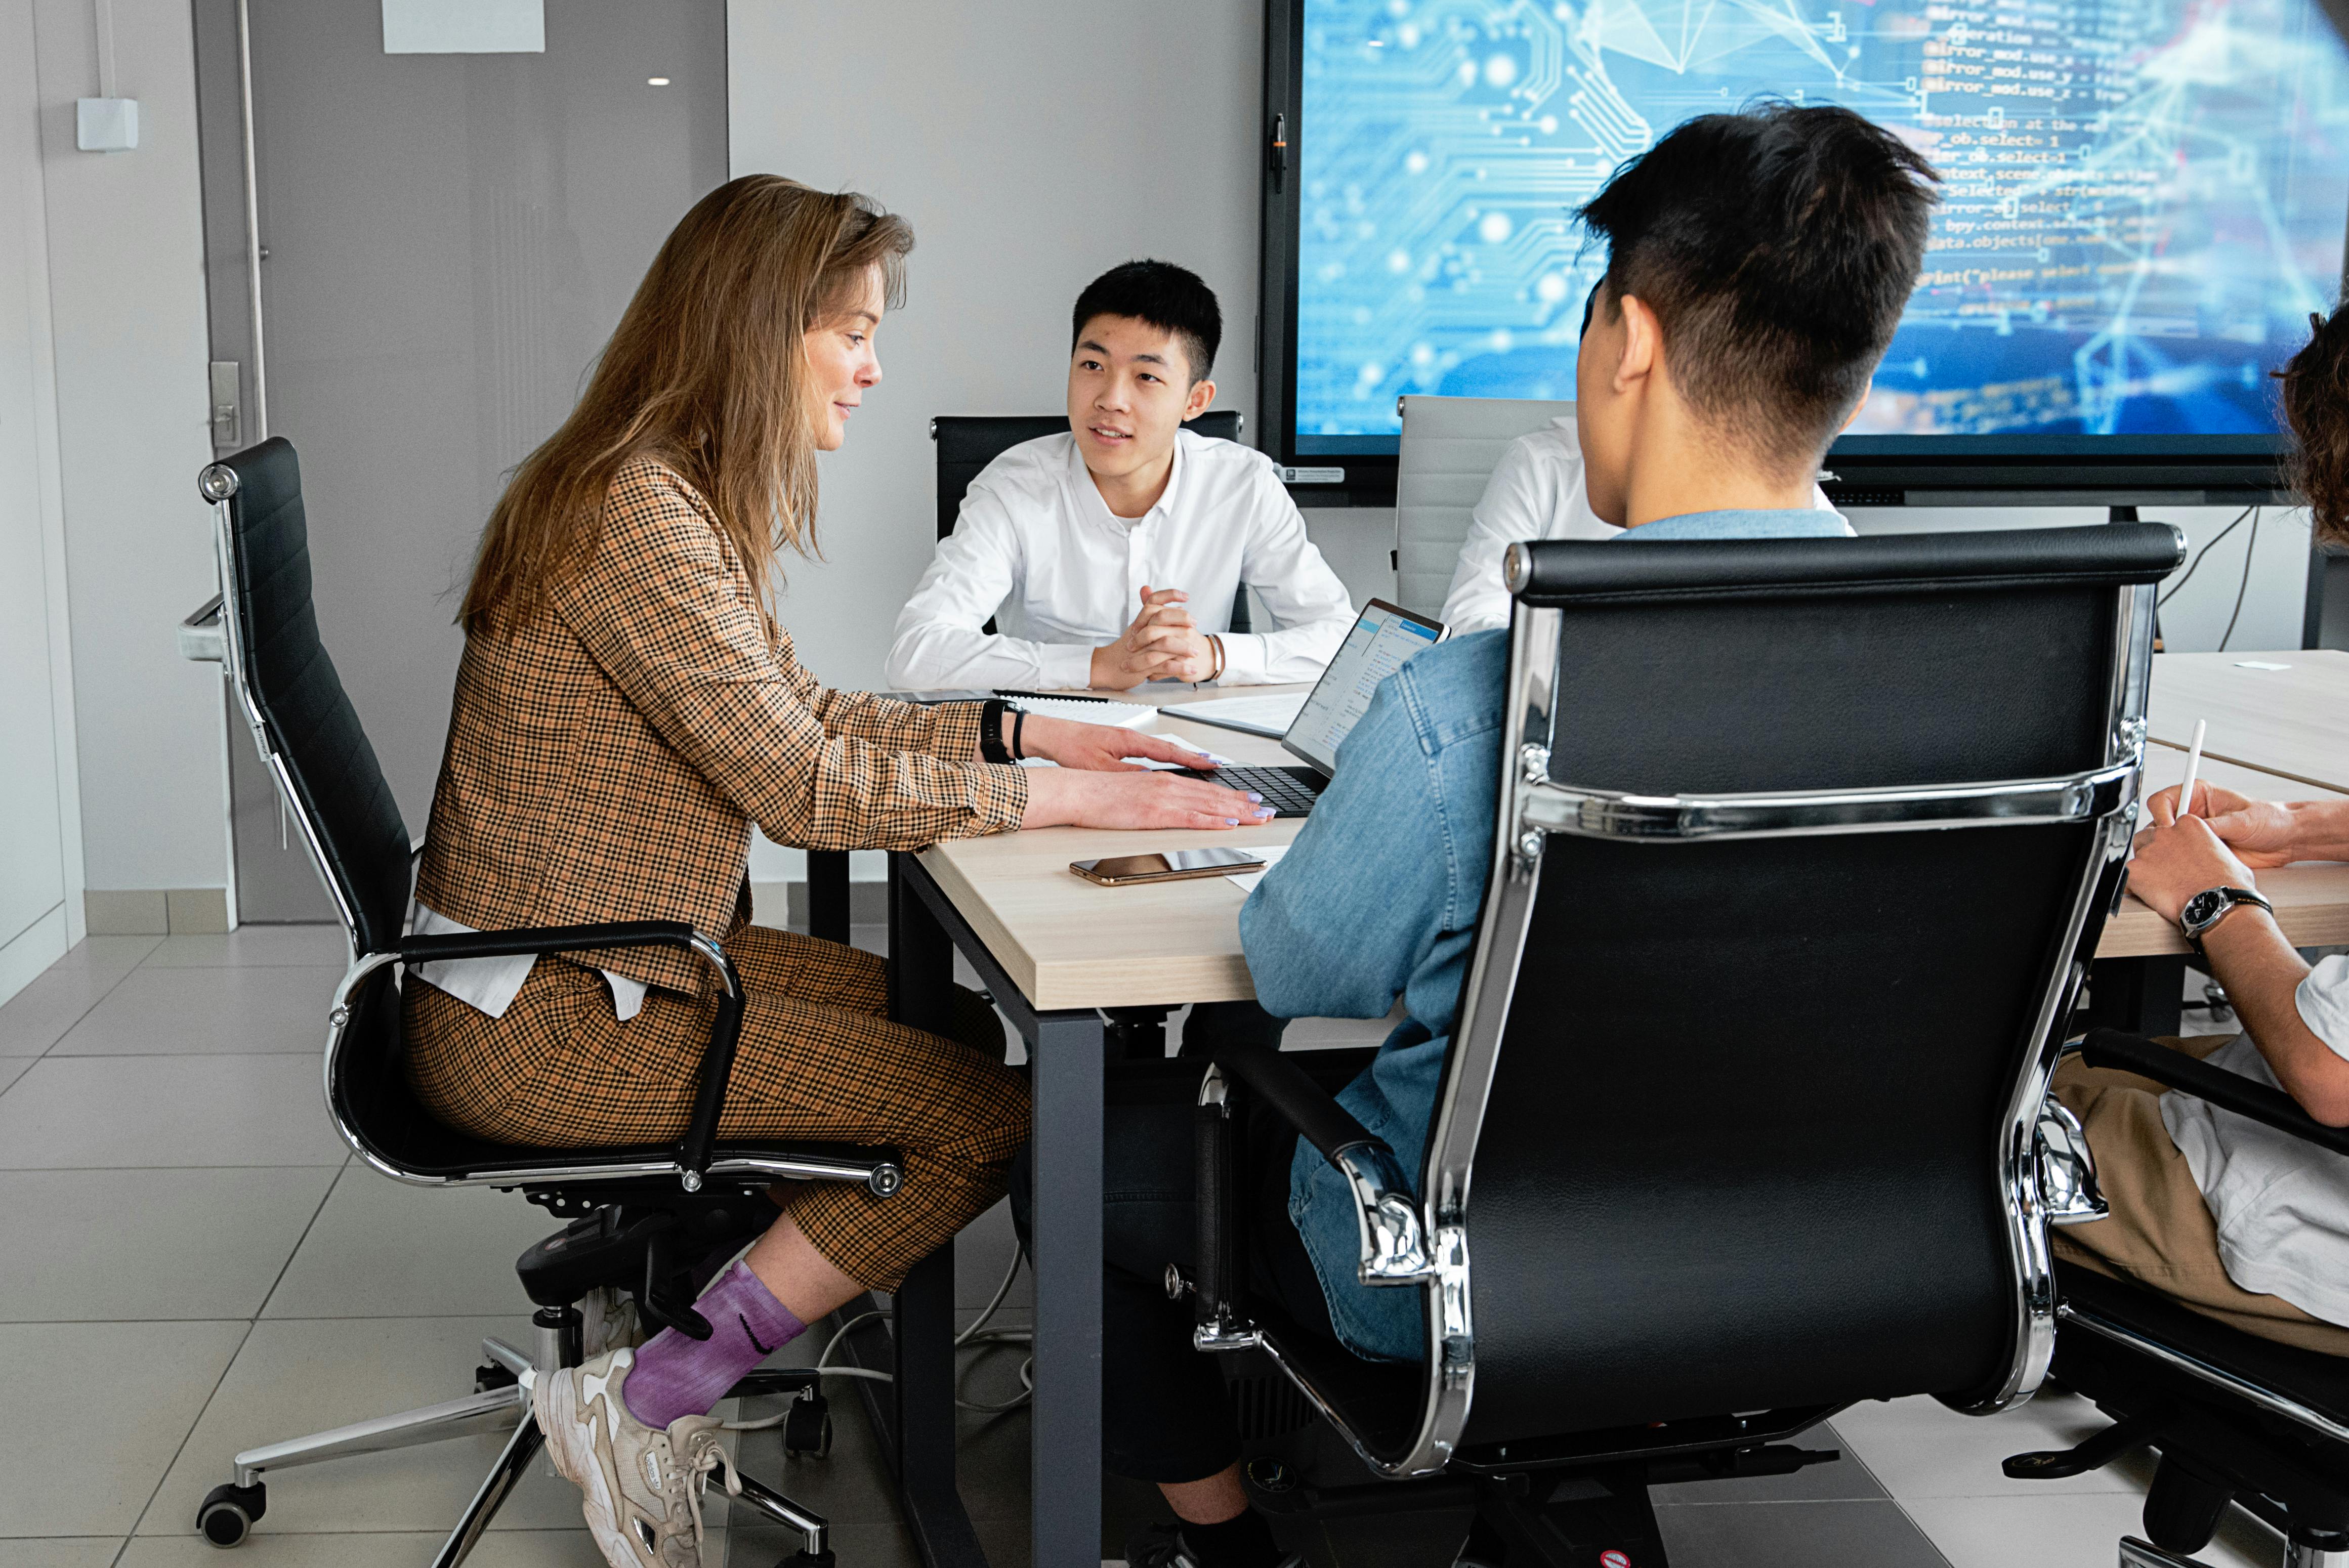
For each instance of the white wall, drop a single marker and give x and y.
(127, 294)
(1031, 148)
(40, 838)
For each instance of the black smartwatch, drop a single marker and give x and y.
(991, 731)
(2208, 907)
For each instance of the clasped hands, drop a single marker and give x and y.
(1161, 643)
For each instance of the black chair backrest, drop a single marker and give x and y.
(292, 693)
(968, 442)
(1738, 1147)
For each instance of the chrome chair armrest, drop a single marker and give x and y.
(2066, 1169)
(2227, 1091)
(694, 1149)
(1393, 1237)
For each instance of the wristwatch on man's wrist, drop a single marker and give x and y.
(2208, 907)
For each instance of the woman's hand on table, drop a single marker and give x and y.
(1102, 748)
(1072, 797)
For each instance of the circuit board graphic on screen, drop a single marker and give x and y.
(2144, 199)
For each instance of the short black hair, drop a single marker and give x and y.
(1777, 247)
(1172, 299)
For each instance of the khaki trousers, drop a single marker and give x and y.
(2160, 1233)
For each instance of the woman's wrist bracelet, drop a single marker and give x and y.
(1019, 727)
(991, 731)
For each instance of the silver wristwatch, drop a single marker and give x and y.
(2209, 906)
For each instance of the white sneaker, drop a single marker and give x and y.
(607, 1321)
(640, 1490)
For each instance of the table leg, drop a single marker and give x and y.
(1066, 1438)
(921, 980)
(827, 894)
(2142, 995)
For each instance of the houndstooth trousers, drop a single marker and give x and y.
(818, 1060)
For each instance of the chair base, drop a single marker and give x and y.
(228, 1512)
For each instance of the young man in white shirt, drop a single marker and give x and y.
(1110, 555)
(1535, 493)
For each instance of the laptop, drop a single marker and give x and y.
(1384, 637)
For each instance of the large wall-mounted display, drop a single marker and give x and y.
(2144, 200)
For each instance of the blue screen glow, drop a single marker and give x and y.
(2144, 198)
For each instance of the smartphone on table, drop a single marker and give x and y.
(1168, 865)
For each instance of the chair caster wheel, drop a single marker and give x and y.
(229, 1512)
(823, 1559)
(807, 1429)
(491, 1375)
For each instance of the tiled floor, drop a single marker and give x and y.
(190, 1264)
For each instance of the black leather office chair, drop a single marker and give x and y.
(641, 1214)
(2237, 1418)
(1665, 1225)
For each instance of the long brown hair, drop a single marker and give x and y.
(706, 373)
(2316, 407)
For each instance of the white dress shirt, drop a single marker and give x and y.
(1036, 547)
(2281, 1205)
(1535, 493)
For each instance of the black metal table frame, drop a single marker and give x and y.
(914, 1415)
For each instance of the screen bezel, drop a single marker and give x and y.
(1330, 770)
(1860, 471)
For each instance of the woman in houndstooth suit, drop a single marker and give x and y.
(627, 708)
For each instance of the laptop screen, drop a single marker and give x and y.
(1384, 636)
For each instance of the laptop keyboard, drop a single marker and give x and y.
(1289, 792)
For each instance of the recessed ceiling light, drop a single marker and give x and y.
(655, 81)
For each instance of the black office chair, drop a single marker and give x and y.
(967, 443)
(2237, 1418)
(1665, 1225)
(641, 1214)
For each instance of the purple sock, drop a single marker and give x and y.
(675, 1375)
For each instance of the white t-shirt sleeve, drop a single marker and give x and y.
(938, 642)
(1308, 602)
(2324, 1001)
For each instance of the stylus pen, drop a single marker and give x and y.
(2193, 766)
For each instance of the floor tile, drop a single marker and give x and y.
(84, 1245)
(217, 1011)
(295, 1377)
(255, 947)
(1843, 1479)
(115, 955)
(61, 1551)
(95, 1413)
(148, 1111)
(36, 1017)
(2056, 1532)
(1796, 1535)
(1921, 1448)
(383, 1249)
(498, 1549)
(849, 1486)
(12, 1069)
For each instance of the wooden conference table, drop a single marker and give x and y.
(1054, 951)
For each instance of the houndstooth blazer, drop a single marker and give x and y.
(607, 757)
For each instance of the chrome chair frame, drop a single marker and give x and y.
(227, 1514)
(2044, 1174)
